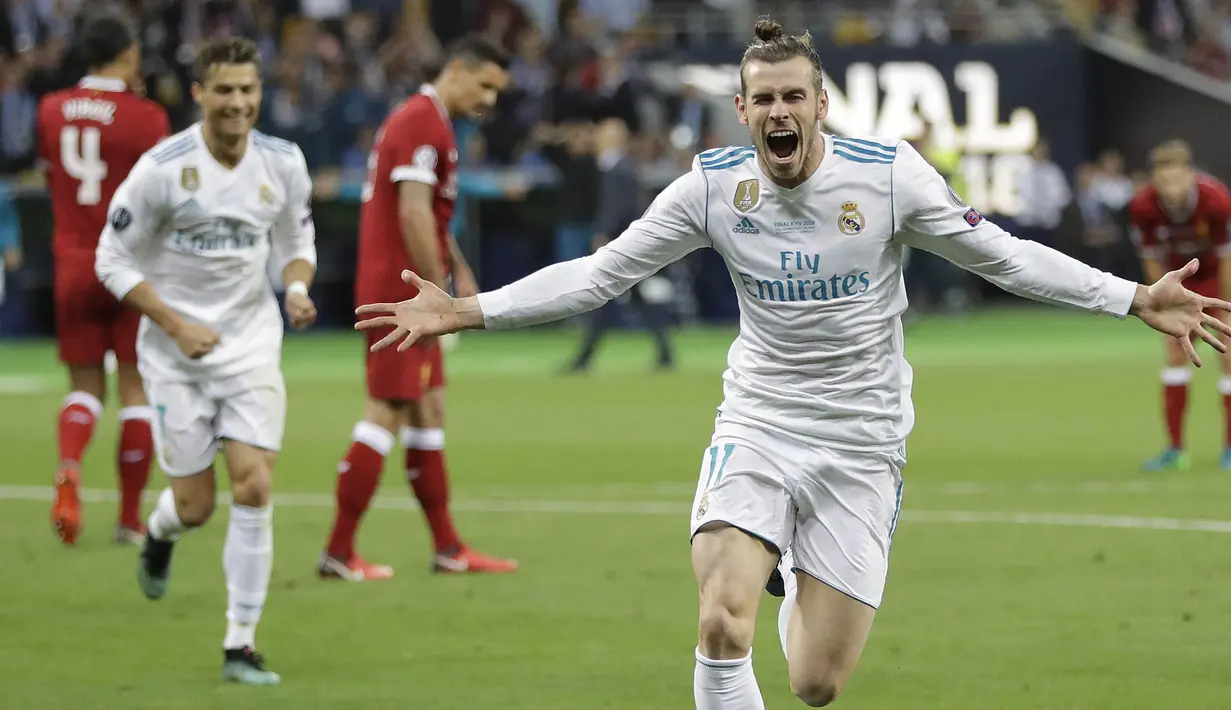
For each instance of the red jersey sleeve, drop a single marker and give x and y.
(1220, 219)
(416, 146)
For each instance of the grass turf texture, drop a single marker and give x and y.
(588, 480)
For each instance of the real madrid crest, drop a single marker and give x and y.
(267, 195)
(850, 222)
(190, 180)
(747, 195)
(703, 505)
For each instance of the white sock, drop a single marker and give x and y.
(247, 561)
(726, 685)
(164, 522)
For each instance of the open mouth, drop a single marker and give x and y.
(783, 144)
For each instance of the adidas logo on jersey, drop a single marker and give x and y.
(745, 226)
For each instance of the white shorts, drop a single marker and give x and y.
(836, 510)
(194, 417)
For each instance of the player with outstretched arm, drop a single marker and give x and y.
(803, 475)
(190, 235)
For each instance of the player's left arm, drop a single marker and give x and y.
(294, 244)
(464, 283)
(927, 215)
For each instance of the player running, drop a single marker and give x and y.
(189, 236)
(1182, 215)
(89, 137)
(403, 224)
(808, 447)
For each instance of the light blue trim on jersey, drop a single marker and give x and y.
(861, 151)
(179, 147)
(897, 510)
(718, 155)
(738, 157)
(277, 145)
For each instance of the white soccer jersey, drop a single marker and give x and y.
(202, 235)
(818, 272)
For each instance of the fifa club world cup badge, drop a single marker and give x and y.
(267, 195)
(850, 222)
(703, 505)
(190, 180)
(747, 195)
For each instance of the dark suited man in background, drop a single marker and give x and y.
(619, 205)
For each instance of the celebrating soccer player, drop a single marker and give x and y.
(403, 224)
(1182, 215)
(89, 137)
(188, 240)
(804, 467)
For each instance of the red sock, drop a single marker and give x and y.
(358, 479)
(77, 419)
(136, 451)
(1175, 401)
(431, 486)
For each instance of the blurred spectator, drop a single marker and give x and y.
(1112, 186)
(10, 236)
(916, 21)
(1045, 192)
(1098, 230)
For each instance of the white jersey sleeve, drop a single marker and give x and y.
(137, 210)
(293, 236)
(930, 216)
(672, 227)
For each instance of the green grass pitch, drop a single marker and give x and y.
(1034, 567)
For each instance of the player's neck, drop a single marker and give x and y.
(446, 98)
(227, 151)
(110, 72)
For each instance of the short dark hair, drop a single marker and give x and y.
(772, 45)
(224, 50)
(105, 38)
(475, 49)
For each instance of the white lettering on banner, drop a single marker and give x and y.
(894, 100)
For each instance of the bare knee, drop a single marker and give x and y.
(386, 414)
(90, 379)
(816, 690)
(194, 506)
(130, 388)
(428, 412)
(252, 484)
(725, 631)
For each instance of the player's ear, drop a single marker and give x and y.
(822, 104)
(741, 109)
(197, 89)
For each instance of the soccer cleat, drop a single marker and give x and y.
(1171, 459)
(356, 569)
(154, 569)
(243, 665)
(1225, 462)
(776, 586)
(128, 536)
(468, 561)
(66, 509)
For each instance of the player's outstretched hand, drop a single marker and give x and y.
(1169, 308)
(432, 312)
(196, 340)
(301, 310)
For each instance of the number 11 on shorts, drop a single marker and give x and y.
(717, 468)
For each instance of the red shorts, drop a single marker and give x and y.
(403, 377)
(89, 320)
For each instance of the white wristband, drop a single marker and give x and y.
(297, 287)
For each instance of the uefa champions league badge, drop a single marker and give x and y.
(972, 217)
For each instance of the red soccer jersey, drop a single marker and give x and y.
(415, 143)
(1173, 241)
(90, 136)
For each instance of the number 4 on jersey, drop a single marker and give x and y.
(81, 155)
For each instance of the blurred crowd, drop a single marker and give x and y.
(1194, 32)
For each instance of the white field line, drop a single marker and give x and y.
(633, 508)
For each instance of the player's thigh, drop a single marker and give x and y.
(252, 412)
(827, 634)
(82, 335)
(131, 388)
(185, 438)
(428, 411)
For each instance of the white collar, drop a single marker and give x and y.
(103, 83)
(431, 93)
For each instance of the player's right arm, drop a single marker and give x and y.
(136, 212)
(672, 227)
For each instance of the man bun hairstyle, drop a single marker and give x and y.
(773, 45)
(224, 50)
